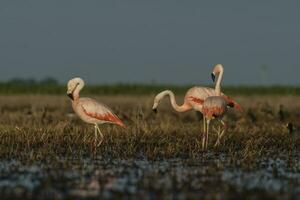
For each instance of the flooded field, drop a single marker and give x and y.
(46, 152)
(211, 177)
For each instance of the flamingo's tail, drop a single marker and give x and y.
(120, 123)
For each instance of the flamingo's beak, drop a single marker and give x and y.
(213, 77)
(70, 95)
(155, 105)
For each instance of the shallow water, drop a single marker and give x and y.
(209, 177)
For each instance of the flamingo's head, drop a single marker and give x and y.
(155, 104)
(217, 70)
(73, 84)
(157, 100)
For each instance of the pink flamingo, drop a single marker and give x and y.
(195, 96)
(214, 107)
(89, 110)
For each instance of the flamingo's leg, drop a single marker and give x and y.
(204, 125)
(218, 136)
(101, 135)
(203, 135)
(95, 137)
(207, 132)
(221, 134)
(214, 129)
(224, 130)
(219, 131)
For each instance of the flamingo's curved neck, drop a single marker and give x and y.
(77, 91)
(218, 84)
(184, 107)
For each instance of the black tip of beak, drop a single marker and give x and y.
(70, 95)
(154, 110)
(213, 77)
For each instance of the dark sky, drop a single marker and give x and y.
(164, 41)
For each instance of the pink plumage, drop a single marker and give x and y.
(214, 107)
(195, 96)
(93, 112)
(89, 110)
(210, 102)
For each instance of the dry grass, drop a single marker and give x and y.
(40, 127)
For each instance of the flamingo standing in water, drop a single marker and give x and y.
(89, 110)
(195, 96)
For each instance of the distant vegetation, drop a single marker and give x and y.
(52, 86)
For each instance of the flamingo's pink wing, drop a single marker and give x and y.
(197, 95)
(101, 112)
(196, 100)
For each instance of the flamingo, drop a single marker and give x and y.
(214, 107)
(89, 110)
(195, 96)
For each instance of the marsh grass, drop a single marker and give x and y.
(35, 127)
(46, 151)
